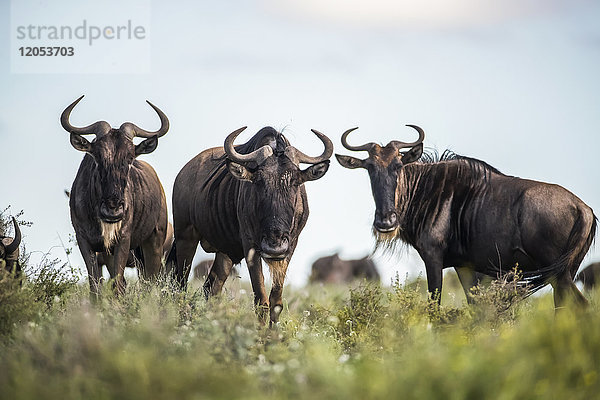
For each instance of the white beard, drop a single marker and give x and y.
(110, 233)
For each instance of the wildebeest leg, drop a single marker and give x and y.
(433, 267)
(91, 263)
(185, 249)
(108, 261)
(152, 253)
(468, 279)
(565, 290)
(219, 272)
(121, 253)
(278, 271)
(258, 284)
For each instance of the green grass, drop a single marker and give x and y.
(365, 342)
(358, 342)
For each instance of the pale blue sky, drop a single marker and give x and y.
(513, 83)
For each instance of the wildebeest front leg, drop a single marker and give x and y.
(258, 283)
(433, 267)
(278, 271)
(91, 263)
(219, 272)
(121, 253)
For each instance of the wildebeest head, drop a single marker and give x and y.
(383, 164)
(275, 180)
(113, 152)
(9, 250)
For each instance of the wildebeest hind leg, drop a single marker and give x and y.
(219, 272)
(468, 279)
(185, 248)
(152, 254)
(565, 290)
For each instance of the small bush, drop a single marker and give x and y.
(361, 318)
(499, 302)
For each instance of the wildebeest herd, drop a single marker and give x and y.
(248, 201)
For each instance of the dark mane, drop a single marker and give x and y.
(463, 178)
(432, 156)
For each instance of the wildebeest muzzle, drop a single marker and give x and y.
(112, 210)
(275, 245)
(385, 221)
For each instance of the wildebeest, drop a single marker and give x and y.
(117, 202)
(202, 269)
(589, 276)
(461, 212)
(332, 269)
(9, 251)
(247, 201)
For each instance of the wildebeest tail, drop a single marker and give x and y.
(580, 239)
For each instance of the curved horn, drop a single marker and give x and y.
(16, 241)
(135, 130)
(399, 145)
(258, 156)
(364, 147)
(300, 157)
(97, 128)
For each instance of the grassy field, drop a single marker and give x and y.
(364, 342)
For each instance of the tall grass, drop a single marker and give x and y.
(366, 342)
(372, 342)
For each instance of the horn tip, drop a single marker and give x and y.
(78, 99)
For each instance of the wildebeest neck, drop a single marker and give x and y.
(428, 190)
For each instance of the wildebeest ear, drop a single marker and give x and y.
(315, 171)
(147, 146)
(80, 143)
(240, 172)
(350, 162)
(413, 154)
